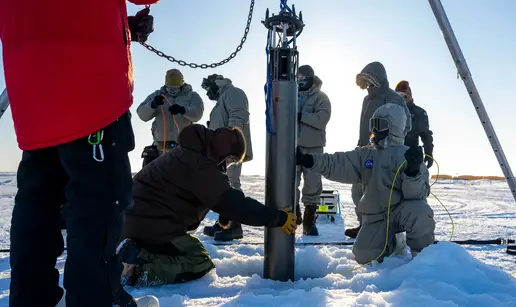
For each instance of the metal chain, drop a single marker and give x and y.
(213, 65)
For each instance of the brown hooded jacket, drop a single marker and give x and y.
(174, 193)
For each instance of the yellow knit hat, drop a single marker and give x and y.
(174, 78)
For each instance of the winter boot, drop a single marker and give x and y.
(401, 248)
(299, 220)
(128, 252)
(232, 233)
(352, 232)
(309, 217)
(144, 301)
(211, 230)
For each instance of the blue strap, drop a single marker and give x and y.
(268, 92)
(301, 102)
(284, 6)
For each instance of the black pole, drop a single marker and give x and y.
(511, 249)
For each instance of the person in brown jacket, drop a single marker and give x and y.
(172, 196)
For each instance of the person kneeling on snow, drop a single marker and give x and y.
(374, 166)
(173, 194)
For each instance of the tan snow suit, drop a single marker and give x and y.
(232, 110)
(374, 168)
(375, 98)
(315, 107)
(166, 127)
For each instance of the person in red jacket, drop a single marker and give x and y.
(69, 76)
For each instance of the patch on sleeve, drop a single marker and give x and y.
(424, 113)
(368, 163)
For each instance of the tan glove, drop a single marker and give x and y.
(290, 225)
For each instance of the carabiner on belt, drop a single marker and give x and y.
(95, 140)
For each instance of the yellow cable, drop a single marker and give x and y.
(389, 211)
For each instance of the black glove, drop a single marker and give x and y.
(158, 101)
(149, 154)
(429, 151)
(299, 115)
(177, 109)
(429, 161)
(414, 157)
(141, 25)
(305, 160)
(223, 167)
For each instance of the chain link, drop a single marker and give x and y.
(213, 65)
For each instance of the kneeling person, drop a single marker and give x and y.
(374, 166)
(173, 194)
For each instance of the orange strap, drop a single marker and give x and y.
(165, 123)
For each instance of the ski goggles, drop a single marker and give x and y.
(365, 80)
(302, 79)
(207, 82)
(378, 124)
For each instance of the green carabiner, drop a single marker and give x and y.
(97, 138)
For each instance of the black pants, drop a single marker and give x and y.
(95, 193)
(149, 154)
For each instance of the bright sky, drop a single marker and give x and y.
(340, 38)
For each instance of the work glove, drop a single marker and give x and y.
(223, 167)
(429, 160)
(290, 225)
(177, 109)
(141, 25)
(414, 157)
(305, 160)
(158, 101)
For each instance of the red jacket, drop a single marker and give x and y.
(67, 67)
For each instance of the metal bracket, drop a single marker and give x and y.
(279, 21)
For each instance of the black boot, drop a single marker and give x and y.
(299, 220)
(128, 252)
(352, 232)
(234, 232)
(211, 230)
(309, 228)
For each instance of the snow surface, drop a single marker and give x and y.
(444, 274)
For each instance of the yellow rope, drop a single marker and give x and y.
(389, 211)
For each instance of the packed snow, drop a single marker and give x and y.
(444, 274)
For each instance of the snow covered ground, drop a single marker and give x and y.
(444, 274)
